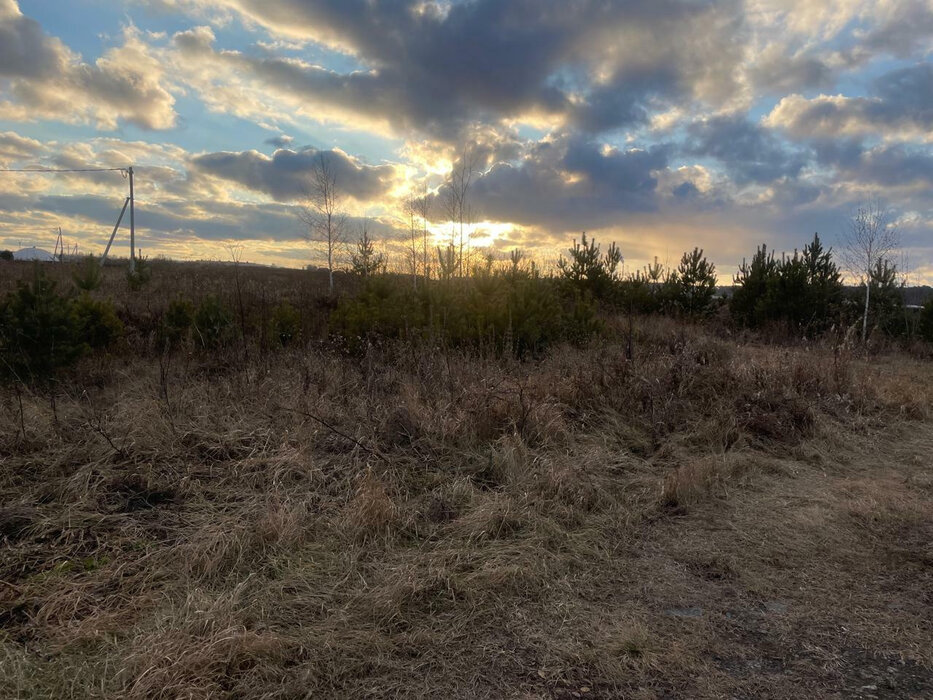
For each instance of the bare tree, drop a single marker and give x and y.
(869, 241)
(470, 218)
(423, 205)
(414, 255)
(321, 211)
(456, 205)
(236, 255)
(417, 207)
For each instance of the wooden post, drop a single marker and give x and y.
(103, 258)
(132, 225)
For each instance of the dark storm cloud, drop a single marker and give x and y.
(790, 194)
(281, 141)
(908, 91)
(25, 50)
(614, 171)
(486, 60)
(14, 202)
(625, 100)
(842, 153)
(571, 184)
(685, 190)
(286, 175)
(885, 165)
(749, 152)
(897, 165)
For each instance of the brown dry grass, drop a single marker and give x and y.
(709, 520)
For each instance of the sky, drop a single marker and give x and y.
(660, 125)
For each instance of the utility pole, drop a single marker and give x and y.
(132, 225)
(103, 258)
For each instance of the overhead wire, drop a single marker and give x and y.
(62, 170)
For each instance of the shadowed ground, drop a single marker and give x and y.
(710, 520)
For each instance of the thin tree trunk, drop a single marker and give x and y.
(330, 254)
(242, 310)
(424, 235)
(865, 315)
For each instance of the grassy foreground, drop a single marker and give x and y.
(708, 519)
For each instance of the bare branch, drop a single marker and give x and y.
(870, 240)
(455, 201)
(321, 210)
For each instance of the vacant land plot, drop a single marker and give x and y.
(706, 519)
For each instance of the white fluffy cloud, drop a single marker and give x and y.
(900, 109)
(44, 79)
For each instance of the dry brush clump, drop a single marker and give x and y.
(412, 519)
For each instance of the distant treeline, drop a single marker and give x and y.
(505, 307)
(513, 304)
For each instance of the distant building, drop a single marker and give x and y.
(34, 254)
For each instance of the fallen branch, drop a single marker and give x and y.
(334, 430)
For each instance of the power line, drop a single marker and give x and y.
(62, 170)
(126, 172)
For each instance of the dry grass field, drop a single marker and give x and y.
(713, 518)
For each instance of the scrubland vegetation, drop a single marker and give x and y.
(223, 481)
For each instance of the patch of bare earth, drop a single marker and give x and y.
(709, 520)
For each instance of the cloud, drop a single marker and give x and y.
(777, 70)
(435, 69)
(48, 81)
(285, 175)
(570, 184)
(626, 118)
(883, 165)
(749, 152)
(800, 46)
(897, 165)
(901, 28)
(281, 141)
(15, 147)
(550, 191)
(900, 108)
(178, 211)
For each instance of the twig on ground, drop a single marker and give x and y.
(334, 430)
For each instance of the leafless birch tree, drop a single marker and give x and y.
(321, 211)
(417, 207)
(423, 205)
(456, 204)
(414, 254)
(870, 239)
